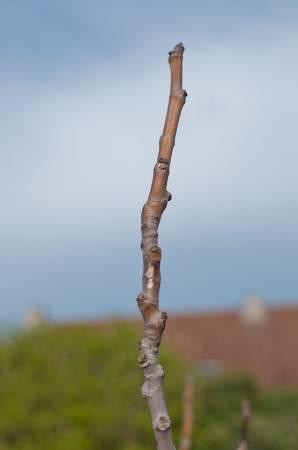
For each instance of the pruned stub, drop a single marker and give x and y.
(163, 164)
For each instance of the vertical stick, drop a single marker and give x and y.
(245, 418)
(187, 420)
(148, 299)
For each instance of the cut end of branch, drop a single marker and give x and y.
(178, 50)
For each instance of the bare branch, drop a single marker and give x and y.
(148, 299)
(187, 423)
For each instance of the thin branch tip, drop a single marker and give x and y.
(177, 51)
(179, 47)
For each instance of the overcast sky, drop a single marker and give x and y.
(84, 88)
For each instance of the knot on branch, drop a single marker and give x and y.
(148, 353)
(157, 374)
(155, 254)
(163, 164)
(162, 422)
(169, 196)
(154, 326)
(179, 96)
(146, 305)
(162, 168)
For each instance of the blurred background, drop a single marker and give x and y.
(84, 89)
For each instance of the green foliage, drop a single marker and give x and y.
(217, 415)
(77, 389)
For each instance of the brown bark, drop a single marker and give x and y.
(187, 419)
(148, 299)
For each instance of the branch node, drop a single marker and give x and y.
(148, 352)
(162, 422)
(155, 254)
(158, 373)
(146, 305)
(162, 166)
(141, 297)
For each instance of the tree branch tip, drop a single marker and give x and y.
(179, 46)
(178, 50)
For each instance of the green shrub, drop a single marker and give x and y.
(71, 389)
(78, 389)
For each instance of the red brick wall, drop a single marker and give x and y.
(268, 352)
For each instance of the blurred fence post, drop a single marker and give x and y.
(245, 419)
(187, 419)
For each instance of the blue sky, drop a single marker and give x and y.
(84, 88)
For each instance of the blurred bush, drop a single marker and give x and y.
(78, 389)
(217, 415)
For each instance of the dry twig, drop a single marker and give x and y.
(148, 299)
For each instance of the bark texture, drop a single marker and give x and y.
(148, 299)
(187, 421)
